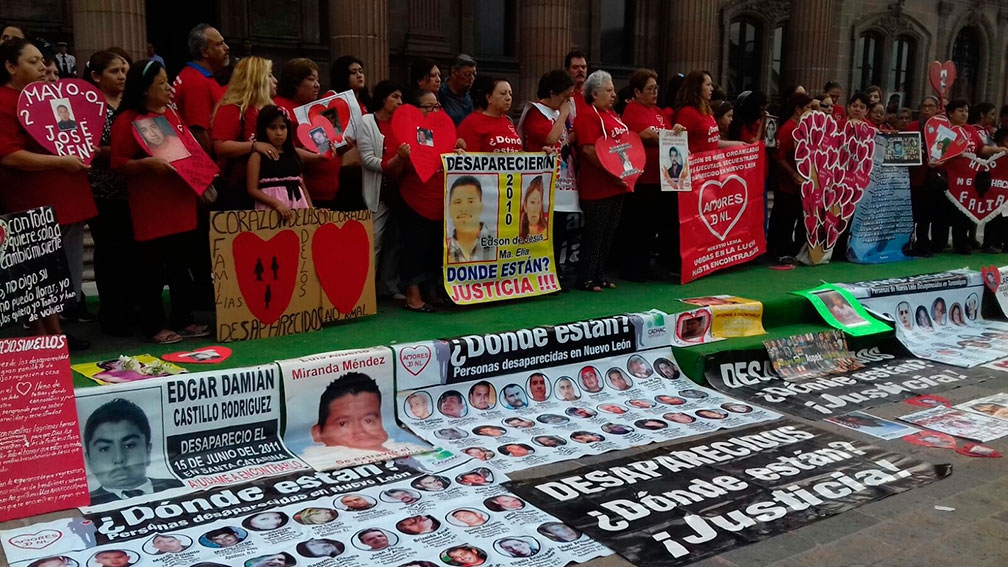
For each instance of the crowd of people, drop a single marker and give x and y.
(242, 115)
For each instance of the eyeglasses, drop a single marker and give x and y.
(431, 107)
(651, 89)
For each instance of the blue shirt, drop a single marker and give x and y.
(457, 107)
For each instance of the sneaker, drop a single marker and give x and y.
(76, 343)
(787, 261)
(990, 249)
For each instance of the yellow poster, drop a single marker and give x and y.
(732, 316)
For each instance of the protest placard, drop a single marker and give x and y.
(733, 316)
(33, 267)
(952, 421)
(882, 222)
(66, 117)
(842, 311)
(673, 152)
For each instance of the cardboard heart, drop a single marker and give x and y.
(977, 450)
(23, 388)
(196, 169)
(722, 203)
(991, 277)
(318, 124)
(337, 113)
(202, 355)
(38, 540)
(929, 401)
(65, 117)
(693, 326)
(977, 187)
(623, 157)
(932, 439)
(415, 358)
(342, 258)
(267, 272)
(941, 141)
(409, 122)
(942, 76)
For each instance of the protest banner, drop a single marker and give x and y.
(952, 421)
(384, 514)
(901, 148)
(177, 146)
(842, 311)
(673, 150)
(937, 316)
(41, 462)
(888, 375)
(168, 436)
(871, 425)
(274, 278)
(127, 369)
(733, 316)
(979, 187)
(65, 117)
(721, 219)
(995, 406)
(346, 409)
(883, 222)
(498, 226)
(33, 267)
(681, 503)
(810, 355)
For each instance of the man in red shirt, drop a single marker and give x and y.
(577, 67)
(196, 91)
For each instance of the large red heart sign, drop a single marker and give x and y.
(65, 117)
(186, 155)
(318, 136)
(342, 257)
(722, 203)
(979, 188)
(623, 157)
(943, 141)
(942, 76)
(428, 137)
(267, 272)
(932, 439)
(991, 277)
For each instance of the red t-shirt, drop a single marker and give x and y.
(426, 198)
(535, 129)
(161, 204)
(702, 130)
(196, 95)
(839, 112)
(786, 151)
(484, 133)
(68, 194)
(580, 105)
(594, 183)
(321, 179)
(227, 126)
(669, 114)
(639, 117)
(749, 131)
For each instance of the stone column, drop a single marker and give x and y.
(425, 37)
(693, 36)
(100, 24)
(361, 29)
(813, 44)
(544, 39)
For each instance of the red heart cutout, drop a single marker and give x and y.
(942, 76)
(623, 157)
(942, 141)
(929, 401)
(267, 272)
(722, 203)
(415, 358)
(991, 277)
(39, 112)
(932, 439)
(202, 355)
(693, 326)
(977, 450)
(338, 111)
(319, 123)
(342, 257)
(408, 121)
(197, 169)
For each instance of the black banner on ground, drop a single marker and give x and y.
(888, 376)
(684, 502)
(34, 278)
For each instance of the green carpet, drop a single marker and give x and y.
(784, 314)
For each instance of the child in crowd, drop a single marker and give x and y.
(276, 184)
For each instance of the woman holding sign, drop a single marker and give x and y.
(163, 208)
(694, 114)
(31, 177)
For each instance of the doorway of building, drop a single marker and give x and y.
(168, 28)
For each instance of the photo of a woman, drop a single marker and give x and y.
(534, 212)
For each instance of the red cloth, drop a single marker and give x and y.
(580, 105)
(69, 194)
(427, 199)
(749, 131)
(536, 129)
(973, 138)
(484, 133)
(669, 114)
(593, 182)
(786, 151)
(196, 95)
(161, 204)
(702, 130)
(227, 126)
(321, 179)
(637, 118)
(839, 112)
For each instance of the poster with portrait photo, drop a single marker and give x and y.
(772, 124)
(64, 115)
(902, 149)
(159, 139)
(871, 425)
(673, 151)
(811, 355)
(958, 423)
(348, 415)
(344, 115)
(841, 310)
(995, 406)
(733, 316)
(471, 218)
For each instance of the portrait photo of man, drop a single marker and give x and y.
(64, 115)
(514, 397)
(481, 395)
(471, 237)
(160, 140)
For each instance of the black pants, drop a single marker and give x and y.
(668, 238)
(159, 261)
(930, 213)
(995, 232)
(567, 232)
(637, 235)
(421, 247)
(112, 231)
(787, 225)
(350, 196)
(602, 217)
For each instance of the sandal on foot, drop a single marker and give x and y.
(195, 331)
(425, 308)
(590, 286)
(166, 337)
(606, 284)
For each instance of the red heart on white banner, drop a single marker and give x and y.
(722, 203)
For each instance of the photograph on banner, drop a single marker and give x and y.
(937, 316)
(565, 194)
(733, 316)
(811, 355)
(959, 423)
(341, 110)
(42, 461)
(33, 267)
(888, 375)
(551, 414)
(673, 151)
(164, 136)
(772, 124)
(461, 515)
(978, 187)
(693, 327)
(65, 117)
(871, 425)
(842, 311)
(159, 139)
(901, 148)
(676, 514)
(883, 221)
(346, 402)
(995, 406)
(169, 436)
(721, 218)
(942, 141)
(498, 226)
(996, 280)
(127, 368)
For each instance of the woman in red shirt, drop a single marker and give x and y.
(694, 115)
(298, 85)
(787, 227)
(163, 208)
(646, 206)
(347, 74)
(30, 177)
(958, 116)
(602, 193)
(488, 128)
(232, 127)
